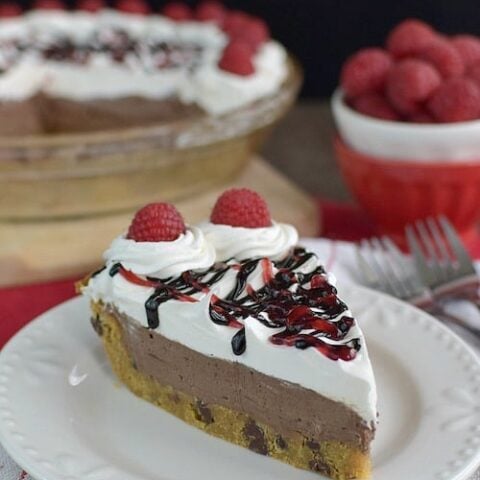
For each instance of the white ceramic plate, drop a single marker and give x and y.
(64, 417)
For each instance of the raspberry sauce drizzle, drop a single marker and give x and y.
(304, 305)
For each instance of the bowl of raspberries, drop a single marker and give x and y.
(408, 121)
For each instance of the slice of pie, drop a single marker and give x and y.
(238, 331)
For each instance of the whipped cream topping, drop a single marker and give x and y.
(350, 382)
(165, 59)
(217, 91)
(190, 251)
(241, 243)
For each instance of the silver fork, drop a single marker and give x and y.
(385, 268)
(442, 261)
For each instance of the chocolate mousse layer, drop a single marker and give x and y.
(68, 116)
(22, 117)
(45, 115)
(218, 382)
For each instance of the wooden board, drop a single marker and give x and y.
(32, 252)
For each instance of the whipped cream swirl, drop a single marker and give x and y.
(190, 251)
(243, 243)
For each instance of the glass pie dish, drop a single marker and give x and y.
(65, 176)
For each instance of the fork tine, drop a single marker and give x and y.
(438, 239)
(426, 240)
(463, 258)
(384, 282)
(390, 271)
(445, 265)
(383, 267)
(369, 275)
(410, 282)
(420, 259)
(394, 252)
(432, 257)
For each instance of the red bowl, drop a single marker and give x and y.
(398, 192)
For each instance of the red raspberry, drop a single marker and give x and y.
(241, 207)
(211, 11)
(409, 83)
(365, 71)
(410, 37)
(139, 7)
(457, 100)
(10, 9)
(255, 33)
(48, 5)
(468, 46)
(235, 22)
(474, 74)
(156, 222)
(90, 5)
(374, 105)
(177, 11)
(444, 57)
(422, 116)
(237, 59)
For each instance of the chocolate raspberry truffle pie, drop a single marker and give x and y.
(237, 330)
(98, 68)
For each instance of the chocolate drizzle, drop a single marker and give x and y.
(303, 305)
(159, 296)
(114, 269)
(239, 344)
(96, 272)
(145, 54)
(246, 269)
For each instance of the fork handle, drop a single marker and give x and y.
(424, 301)
(449, 318)
(467, 288)
(438, 311)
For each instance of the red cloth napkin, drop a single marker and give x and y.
(19, 305)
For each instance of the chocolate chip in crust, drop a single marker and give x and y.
(254, 434)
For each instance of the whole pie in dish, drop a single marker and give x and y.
(97, 68)
(237, 330)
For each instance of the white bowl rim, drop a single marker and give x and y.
(338, 102)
